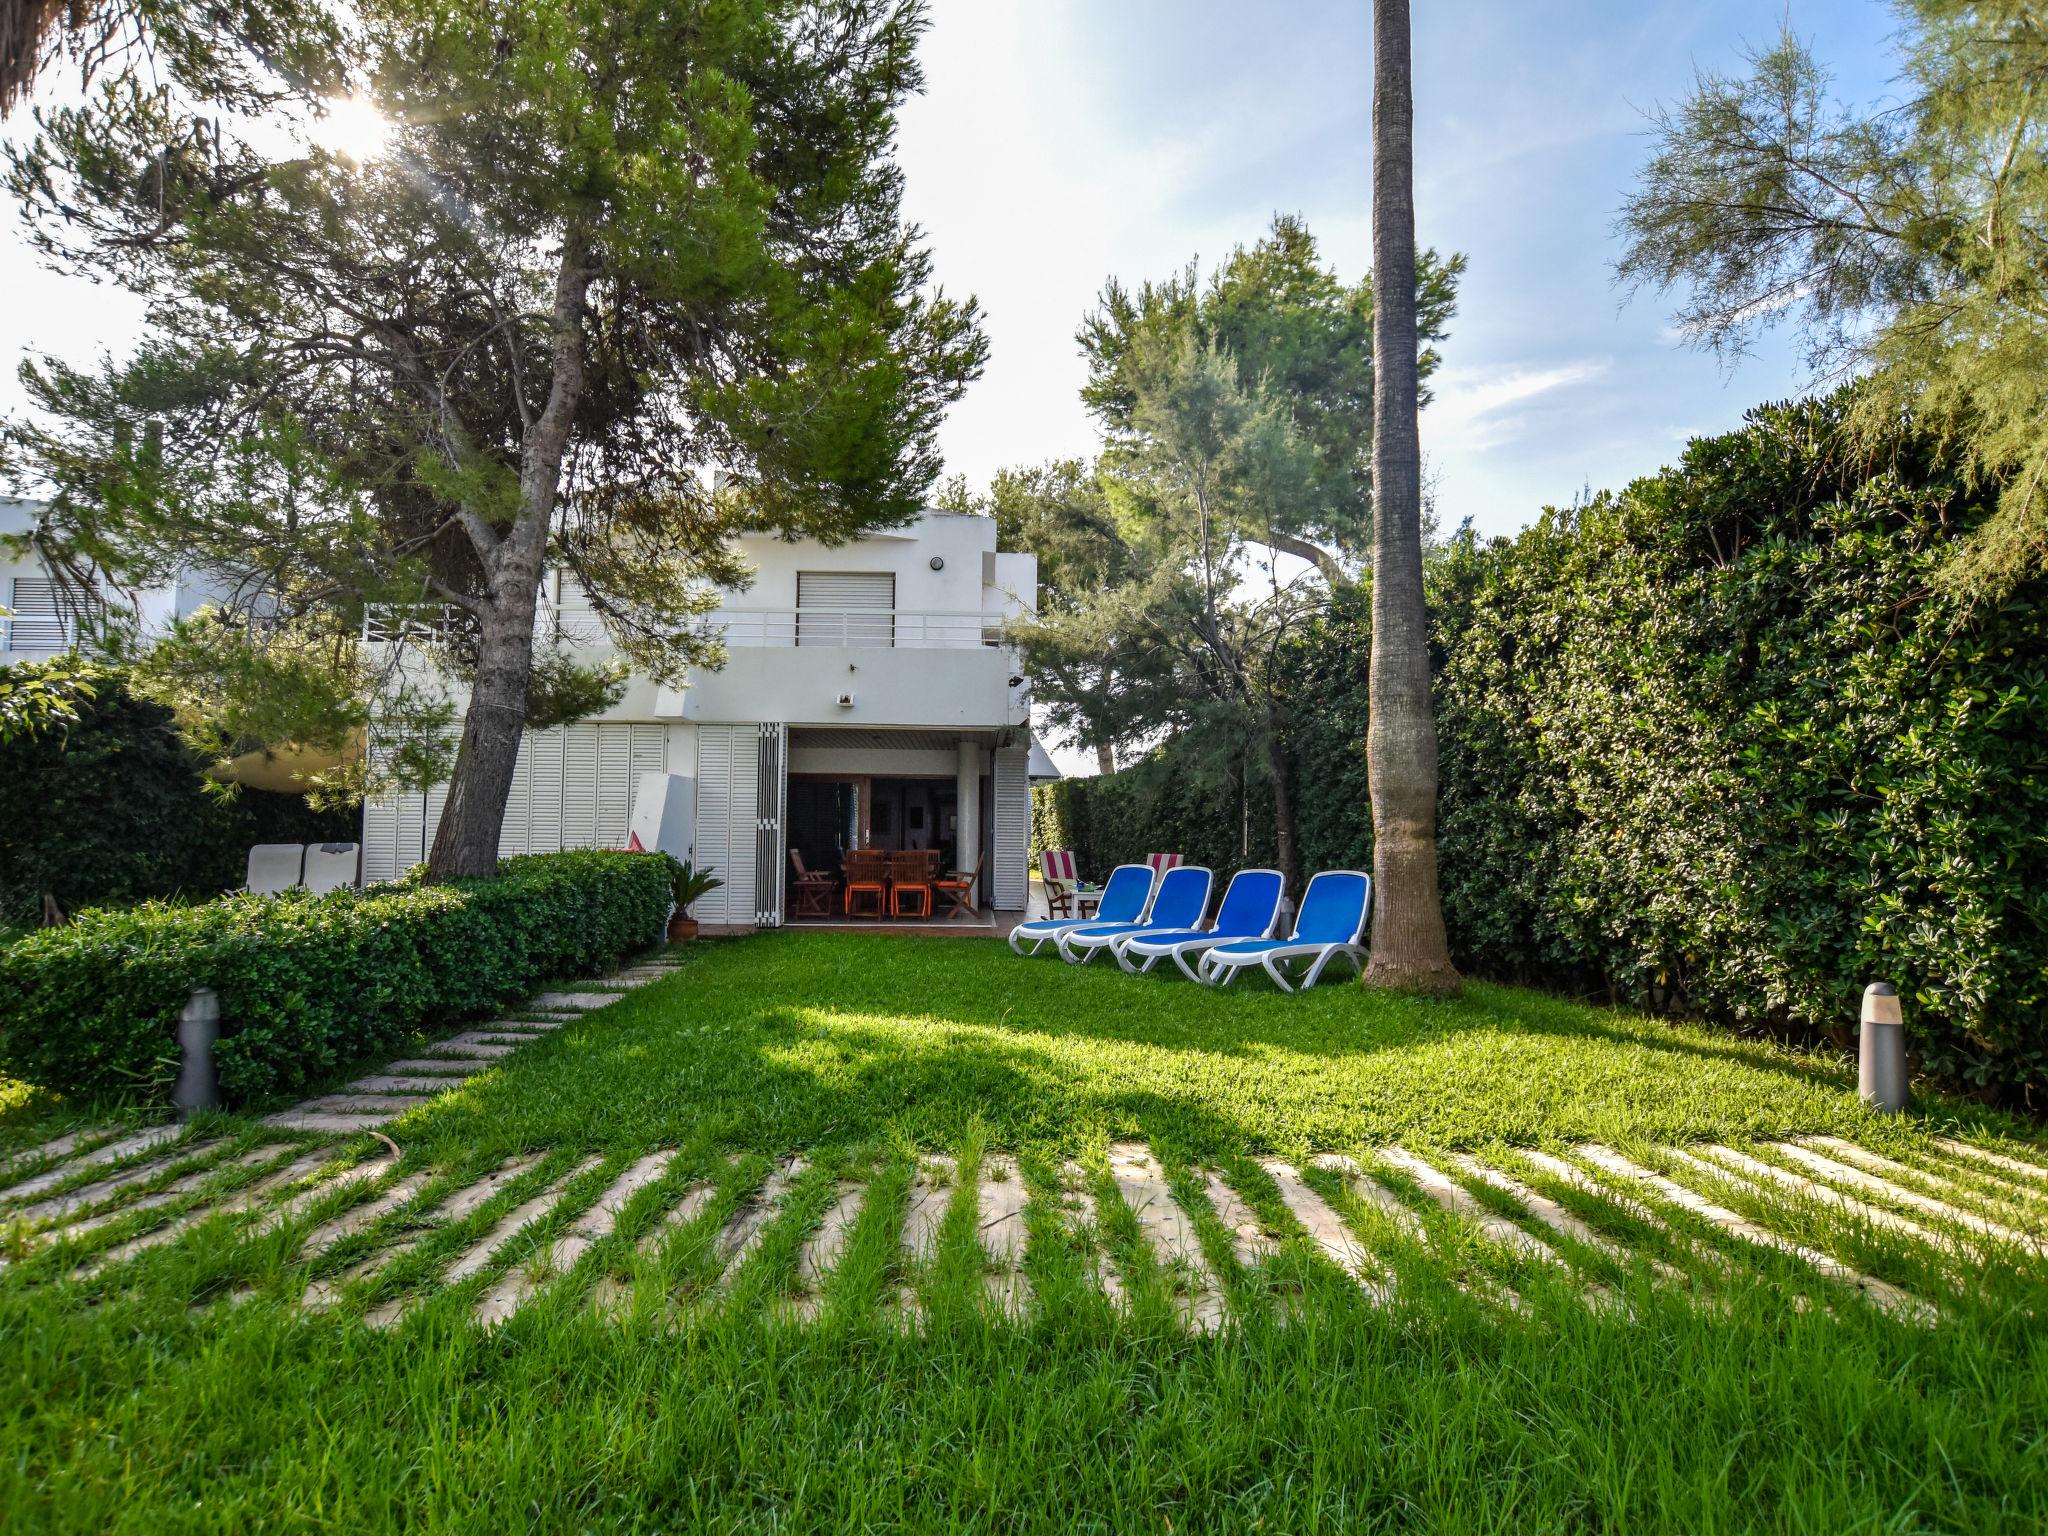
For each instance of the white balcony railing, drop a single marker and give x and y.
(858, 629)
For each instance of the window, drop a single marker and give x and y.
(45, 621)
(855, 609)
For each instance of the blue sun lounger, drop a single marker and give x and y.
(1331, 923)
(1125, 897)
(1251, 910)
(1180, 901)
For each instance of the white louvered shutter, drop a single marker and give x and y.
(544, 792)
(846, 604)
(579, 786)
(1011, 786)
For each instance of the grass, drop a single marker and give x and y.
(147, 1403)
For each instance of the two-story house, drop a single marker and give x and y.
(869, 701)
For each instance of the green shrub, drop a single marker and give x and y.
(115, 809)
(307, 983)
(1720, 745)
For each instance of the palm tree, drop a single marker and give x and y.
(1409, 949)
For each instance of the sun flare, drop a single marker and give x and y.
(353, 127)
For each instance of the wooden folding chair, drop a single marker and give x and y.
(812, 888)
(910, 875)
(959, 887)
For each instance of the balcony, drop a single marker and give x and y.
(851, 629)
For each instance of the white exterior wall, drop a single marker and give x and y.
(573, 786)
(153, 607)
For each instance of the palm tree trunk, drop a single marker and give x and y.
(1409, 950)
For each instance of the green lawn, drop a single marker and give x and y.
(1754, 1397)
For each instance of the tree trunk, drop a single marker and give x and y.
(1105, 757)
(1409, 949)
(1314, 554)
(466, 843)
(1285, 846)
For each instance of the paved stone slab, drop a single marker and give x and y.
(1560, 1220)
(562, 1255)
(1458, 1200)
(328, 1123)
(2033, 1172)
(1887, 1297)
(1168, 1233)
(1371, 1192)
(437, 1066)
(237, 1204)
(463, 1203)
(822, 1249)
(361, 1217)
(511, 1039)
(104, 1189)
(931, 1193)
(472, 1052)
(369, 1171)
(1001, 1229)
(48, 1150)
(1885, 1176)
(1250, 1243)
(1760, 1172)
(361, 1104)
(385, 1083)
(1333, 1238)
(743, 1234)
(73, 1231)
(576, 1002)
(1082, 1220)
(128, 1146)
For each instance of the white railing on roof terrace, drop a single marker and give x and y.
(856, 629)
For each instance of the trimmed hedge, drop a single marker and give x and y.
(307, 983)
(1720, 745)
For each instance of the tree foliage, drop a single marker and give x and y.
(1294, 332)
(1718, 744)
(607, 246)
(1906, 242)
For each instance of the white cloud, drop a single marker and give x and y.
(1472, 412)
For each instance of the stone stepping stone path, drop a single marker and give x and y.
(372, 1102)
(368, 1237)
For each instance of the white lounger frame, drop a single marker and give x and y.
(1048, 930)
(1091, 944)
(1151, 952)
(1218, 969)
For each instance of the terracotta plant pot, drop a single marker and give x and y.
(680, 928)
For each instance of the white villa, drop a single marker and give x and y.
(869, 701)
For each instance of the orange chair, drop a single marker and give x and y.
(910, 875)
(867, 874)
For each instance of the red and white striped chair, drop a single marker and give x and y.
(1056, 869)
(1162, 862)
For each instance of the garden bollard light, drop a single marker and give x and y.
(198, 1027)
(1881, 1067)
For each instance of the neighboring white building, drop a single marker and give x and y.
(869, 701)
(45, 617)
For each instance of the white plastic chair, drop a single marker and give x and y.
(275, 867)
(330, 866)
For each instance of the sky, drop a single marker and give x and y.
(1062, 142)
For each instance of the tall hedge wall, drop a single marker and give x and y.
(1720, 744)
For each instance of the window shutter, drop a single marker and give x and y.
(769, 791)
(1011, 787)
(844, 600)
(579, 786)
(544, 792)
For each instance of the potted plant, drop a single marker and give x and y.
(689, 883)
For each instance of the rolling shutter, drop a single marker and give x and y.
(847, 604)
(1011, 787)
